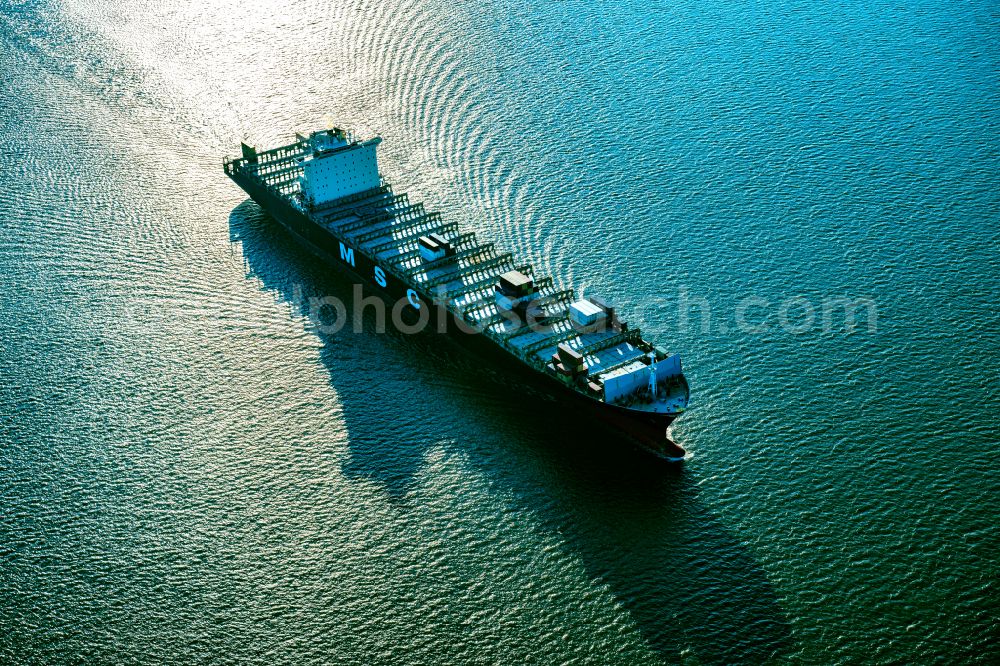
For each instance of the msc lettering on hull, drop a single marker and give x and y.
(347, 254)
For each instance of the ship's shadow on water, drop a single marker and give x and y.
(637, 525)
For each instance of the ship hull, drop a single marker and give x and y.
(645, 429)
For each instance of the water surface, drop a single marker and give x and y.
(191, 470)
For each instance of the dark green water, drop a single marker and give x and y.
(190, 470)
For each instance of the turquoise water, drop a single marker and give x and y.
(190, 469)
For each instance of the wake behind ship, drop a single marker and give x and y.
(326, 190)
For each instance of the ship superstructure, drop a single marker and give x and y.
(326, 189)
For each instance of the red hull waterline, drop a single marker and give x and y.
(648, 430)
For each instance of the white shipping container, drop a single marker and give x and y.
(632, 377)
(585, 313)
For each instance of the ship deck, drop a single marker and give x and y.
(387, 226)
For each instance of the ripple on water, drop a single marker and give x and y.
(188, 458)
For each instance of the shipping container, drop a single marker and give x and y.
(516, 283)
(430, 250)
(585, 313)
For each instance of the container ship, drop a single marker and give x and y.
(326, 190)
